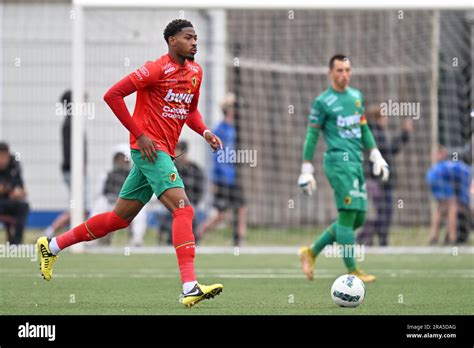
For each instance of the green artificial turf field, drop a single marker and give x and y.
(253, 284)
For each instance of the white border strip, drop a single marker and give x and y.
(283, 4)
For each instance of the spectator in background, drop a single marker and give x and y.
(13, 206)
(66, 136)
(193, 179)
(110, 189)
(228, 194)
(449, 182)
(381, 193)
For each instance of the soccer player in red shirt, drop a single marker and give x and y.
(167, 98)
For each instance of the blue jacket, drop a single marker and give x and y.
(224, 173)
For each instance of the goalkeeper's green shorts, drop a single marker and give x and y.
(147, 178)
(348, 183)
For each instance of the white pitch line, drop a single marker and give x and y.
(279, 250)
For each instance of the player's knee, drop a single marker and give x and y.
(186, 211)
(117, 221)
(100, 225)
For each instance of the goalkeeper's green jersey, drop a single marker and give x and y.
(340, 116)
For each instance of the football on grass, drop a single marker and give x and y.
(348, 291)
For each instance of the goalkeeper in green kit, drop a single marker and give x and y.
(339, 114)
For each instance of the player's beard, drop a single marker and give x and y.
(190, 57)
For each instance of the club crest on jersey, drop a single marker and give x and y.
(194, 81)
(178, 97)
(173, 177)
(348, 200)
(357, 102)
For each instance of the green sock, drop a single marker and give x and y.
(328, 237)
(345, 237)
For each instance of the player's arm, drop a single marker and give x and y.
(115, 99)
(316, 119)
(196, 123)
(379, 165)
(18, 190)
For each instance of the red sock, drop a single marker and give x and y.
(183, 241)
(95, 227)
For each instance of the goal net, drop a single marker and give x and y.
(415, 65)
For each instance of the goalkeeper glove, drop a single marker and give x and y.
(379, 166)
(306, 181)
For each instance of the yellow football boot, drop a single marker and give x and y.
(200, 292)
(47, 259)
(307, 259)
(366, 278)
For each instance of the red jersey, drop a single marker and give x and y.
(166, 93)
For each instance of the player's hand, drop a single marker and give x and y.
(17, 193)
(213, 140)
(379, 166)
(147, 148)
(3, 189)
(306, 181)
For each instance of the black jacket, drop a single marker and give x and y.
(11, 177)
(67, 137)
(388, 149)
(193, 180)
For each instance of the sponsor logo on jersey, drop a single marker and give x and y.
(144, 71)
(195, 69)
(194, 81)
(348, 121)
(330, 100)
(170, 69)
(138, 75)
(178, 97)
(177, 113)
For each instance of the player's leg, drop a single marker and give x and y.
(308, 254)
(452, 220)
(345, 237)
(60, 222)
(101, 205)
(168, 186)
(369, 227)
(237, 200)
(222, 204)
(210, 223)
(138, 226)
(95, 227)
(358, 222)
(176, 201)
(18, 211)
(436, 222)
(242, 224)
(135, 193)
(341, 185)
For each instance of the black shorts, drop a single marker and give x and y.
(226, 197)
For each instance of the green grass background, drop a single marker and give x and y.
(253, 284)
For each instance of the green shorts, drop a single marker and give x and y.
(348, 183)
(147, 178)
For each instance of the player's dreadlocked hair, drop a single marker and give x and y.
(175, 27)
